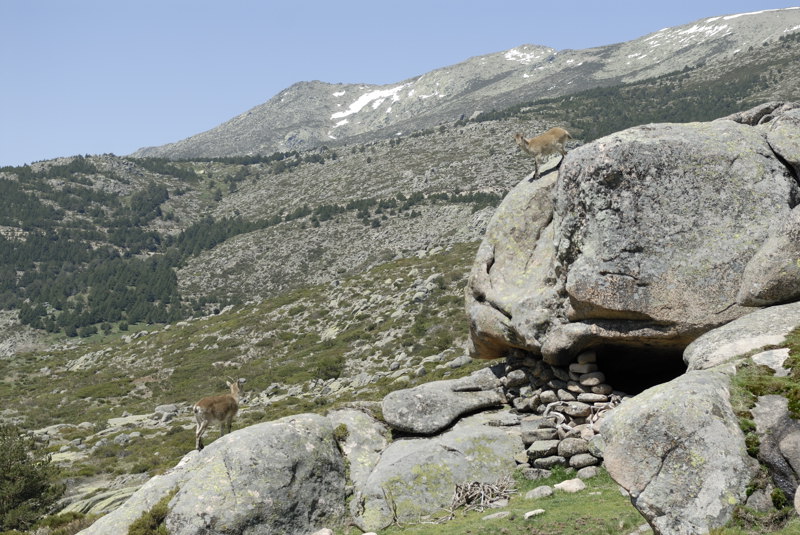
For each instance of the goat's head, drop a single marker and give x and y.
(237, 387)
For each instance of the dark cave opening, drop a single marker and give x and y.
(634, 369)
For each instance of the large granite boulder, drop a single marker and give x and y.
(362, 447)
(679, 452)
(641, 240)
(416, 477)
(286, 476)
(511, 294)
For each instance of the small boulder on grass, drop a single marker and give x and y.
(571, 485)
(539, 492)
(535, 512)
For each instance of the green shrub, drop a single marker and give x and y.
(340, 433)
(27, 480)
(752, 443)
(779, 499)
(64, 524)
(152, 522)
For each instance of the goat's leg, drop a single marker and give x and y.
(198, 435)
(535, 169)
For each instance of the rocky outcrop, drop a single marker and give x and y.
(641, 243)
(555, 418)
(647, 241)
(763, 328)
(285, 476)
(416, 477)
(402, 473)
(678, 451)
(642, 240)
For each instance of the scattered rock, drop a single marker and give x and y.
(543, 448)
(547, 463)
(572, 446)
(587, 472)
(535, 473)
(571, 485)
(582, 460)
(497, 516)
(539, 492)
(774, 359)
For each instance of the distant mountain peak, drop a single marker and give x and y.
(310, 114)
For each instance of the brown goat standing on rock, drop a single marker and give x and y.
(550, 142)
(217, 409)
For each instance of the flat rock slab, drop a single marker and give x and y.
(766, 327)
(432, 407)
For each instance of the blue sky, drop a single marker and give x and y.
(99, 76)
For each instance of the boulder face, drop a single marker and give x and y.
(286, 476)
(416, 477)
(642, 239)
(512, 287)
(773, 274)
(678, 451)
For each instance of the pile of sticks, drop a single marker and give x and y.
(477, 496)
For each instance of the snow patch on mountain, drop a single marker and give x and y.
(737, 15)
(523, 56)
(375, 98)
(693, 34)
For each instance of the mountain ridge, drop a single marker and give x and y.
(314, 113)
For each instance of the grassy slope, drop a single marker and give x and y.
(291, 347)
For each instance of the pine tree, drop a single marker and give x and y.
(27, 480)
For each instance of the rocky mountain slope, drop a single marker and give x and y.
(309, 114)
